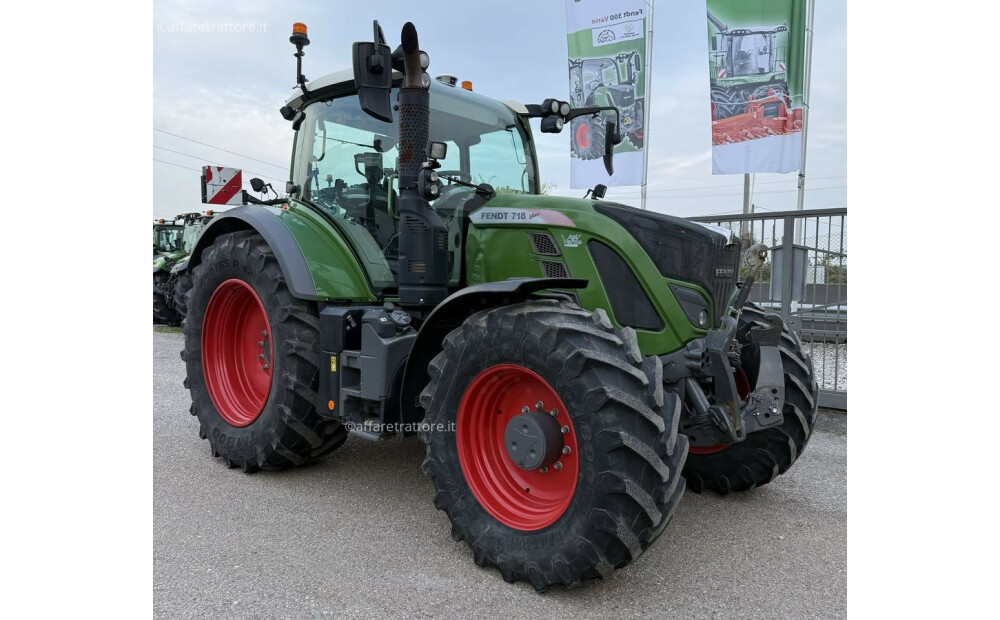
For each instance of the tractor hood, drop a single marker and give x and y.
(563, 211)
(679, 249)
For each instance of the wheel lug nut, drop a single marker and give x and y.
(260, 343)
(263, 334)
(543, 470)
(554, 412)
(525, 409)
(564, 430)
(567, 450)
(260, 356)
(557, 466)
(266, 366)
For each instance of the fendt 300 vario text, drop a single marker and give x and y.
(571, 364)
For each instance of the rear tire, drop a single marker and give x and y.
(588, 137)
(227, 387)
(628, 452)
(162, 312)
(181, 289)
(763, 455)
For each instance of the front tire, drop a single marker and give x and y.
(181, 289)
(637, 137)
(606, 499)
(162, 312)
(252, 360)
(763, 455)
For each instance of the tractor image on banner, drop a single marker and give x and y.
(755, 60)
(607, 51)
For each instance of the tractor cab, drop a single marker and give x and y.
(748, 53)
(344, 162)
(751, 53)
(167, 237)
(599, 80)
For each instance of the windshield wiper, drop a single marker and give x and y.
(483, 189)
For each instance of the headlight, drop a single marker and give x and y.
(694, 305)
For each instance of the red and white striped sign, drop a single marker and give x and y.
(221, 186)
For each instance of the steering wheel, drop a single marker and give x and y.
(462, 176)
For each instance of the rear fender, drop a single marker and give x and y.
(279, 239)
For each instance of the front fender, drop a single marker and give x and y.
(181, 266)
(450, 313)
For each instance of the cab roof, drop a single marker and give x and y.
(343, 80)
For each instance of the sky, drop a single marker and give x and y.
(222, 71)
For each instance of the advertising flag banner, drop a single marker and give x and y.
(756, 66)
(607, 63)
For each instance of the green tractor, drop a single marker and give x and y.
(172, 242)
(605, 82)
(572, 365)
(745, 64)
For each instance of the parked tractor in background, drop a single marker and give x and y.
(557, 356)
(166, 236)
(746, 64)
(172, 242)
(605, 82)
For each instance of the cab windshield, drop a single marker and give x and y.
(751, 54)
(345, 163)
(167, 239)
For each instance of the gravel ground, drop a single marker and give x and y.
(830, 364)
(357, 536)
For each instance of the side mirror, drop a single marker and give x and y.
(611, 138)
(257, 185)
(383, 144)
(373, 76)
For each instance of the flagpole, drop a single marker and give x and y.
(805, 118)
(648, 96)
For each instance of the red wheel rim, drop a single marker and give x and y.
(743, 389)
(583, 136)
(236, 352)
(521, 499)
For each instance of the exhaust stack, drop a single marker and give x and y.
(423, 237)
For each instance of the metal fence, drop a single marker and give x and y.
(805, 279)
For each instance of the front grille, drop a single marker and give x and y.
(544, 244)
(682, 250)
(553, 269)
